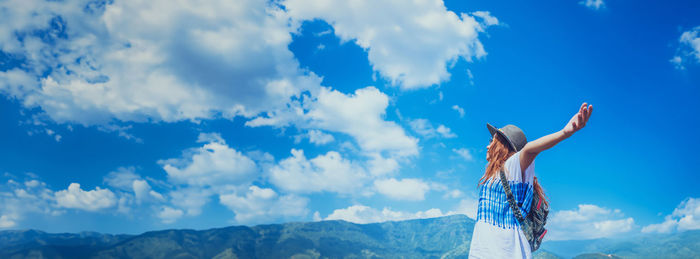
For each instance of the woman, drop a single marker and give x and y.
(497, 233)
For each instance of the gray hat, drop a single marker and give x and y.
(514, 135)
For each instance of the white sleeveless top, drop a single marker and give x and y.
(497, 233)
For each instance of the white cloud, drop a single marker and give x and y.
(7, 222)
(76, 198)
(143, 192)
(329, 172)
(214, 164)
(470, 76)
(424, 128)
(459, 109)
(410, 43)
(19, 200)
(359, 115)
(210, 137)
(136, 61)
(689, 48)
(191, 198)
(32, 183)
(467, 206)
(464, 153)
(593, 4)
(169, 215)
(260, 205)
(131, 189)
(488, 20)
(412, 189)
(677, 61)
(319, 137)
(379, 166)
(453, 194)
(445, 132)
(684, 217)
(362, 214)
(587, 222)
(692, 39)
(122, 178)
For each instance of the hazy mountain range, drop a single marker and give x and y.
(446, 237)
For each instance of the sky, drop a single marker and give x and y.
(129, 116)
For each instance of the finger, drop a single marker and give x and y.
(589, 110)
(583, 106)
(578, 122)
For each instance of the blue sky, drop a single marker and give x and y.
(124, 117)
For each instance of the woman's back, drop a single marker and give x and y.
(497, 233)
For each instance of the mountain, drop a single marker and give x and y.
(422, 238)
(678, 245)
(445, 237)
(597, 256)
(39, 244)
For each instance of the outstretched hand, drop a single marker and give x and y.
(579, 120)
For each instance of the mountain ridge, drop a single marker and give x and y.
(444, 237)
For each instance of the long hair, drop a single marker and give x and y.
(498, 153)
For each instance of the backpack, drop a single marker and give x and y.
(533, 224)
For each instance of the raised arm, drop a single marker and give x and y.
(533, 148)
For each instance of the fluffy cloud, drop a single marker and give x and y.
(410, 43)
(260, 205)
(464, 153)
(214, 164)
(424, 128)
(94, 63)
(20, 199)
(76, 198)
(169, 215)
(685, 217)
(405, 189)
(445, 132)
(587, 222)
(217, 170)
(329, 172)
(7, 222)
(320, 138)
(361, 116)
(362, 214)
(467, 206)
(131, 189)
(459, 110)
(593, 4)
(125, 179)
(191, 198)
(689, 49)
(453, 194)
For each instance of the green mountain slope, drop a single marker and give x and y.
(446, 237)
(678, 245)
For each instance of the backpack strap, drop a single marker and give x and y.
(514, 207)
